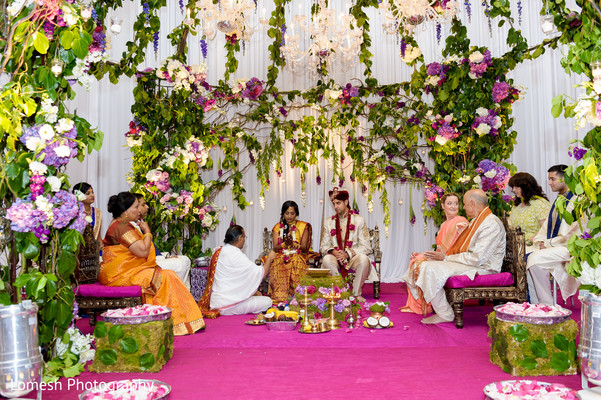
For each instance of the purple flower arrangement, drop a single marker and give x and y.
(502, 91)
(494, 177)
(576, 152)
(437, 75)
(479, 63)
(57, 143)
(157, 181)
(38, 217)
(253, 89)
(432, 194)
(348, 93)
(487, 122)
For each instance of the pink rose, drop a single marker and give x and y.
(333, 232)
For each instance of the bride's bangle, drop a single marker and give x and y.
(148, 234)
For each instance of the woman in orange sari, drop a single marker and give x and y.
(448, 233)
(287, 262)
(128, 259)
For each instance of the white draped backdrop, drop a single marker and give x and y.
(541, 142)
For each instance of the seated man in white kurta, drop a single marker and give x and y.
(178, 264)
(345, 243)
(237, 278)
(548, 253)
(479, 249)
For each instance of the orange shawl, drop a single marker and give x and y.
(205, 301)
(462, 243)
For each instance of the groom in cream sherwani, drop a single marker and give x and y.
(345, 243)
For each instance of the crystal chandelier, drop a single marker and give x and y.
(228, 16)
(330, 41)
(411, 13)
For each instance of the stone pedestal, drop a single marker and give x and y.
(133, 348)
(522, 349)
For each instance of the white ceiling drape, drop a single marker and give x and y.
(542, 140)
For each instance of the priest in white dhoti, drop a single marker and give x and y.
(233, 279)
(179, 264)
(549, 254)
(479, 249)
(345, 243)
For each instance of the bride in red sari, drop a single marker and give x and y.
(448, 233)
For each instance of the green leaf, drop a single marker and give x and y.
(115, 333)
(72, 371)
(41, 42)
(108, 357)
(100, 330)
(67, 39)
(539, 349)
(528, 363)
(80, 47)
(560, 361)
(561, 342)
(146, 361)
(161, 351)
(128, 345)
(519, 332)
(572, 349)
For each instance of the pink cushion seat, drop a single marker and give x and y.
(461, 281)
(99, 290)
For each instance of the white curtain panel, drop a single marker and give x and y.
(542, 140)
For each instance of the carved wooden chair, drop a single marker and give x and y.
(374, 236)
(92, 297)
(508, 285)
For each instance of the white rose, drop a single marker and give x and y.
(477, 179)
(597, 86)
(34, 143)
(69, 18)
(448, 118)
(334, 94)
(89, 219)
(46, 132)
(172, 65)
(62, 151)
(490, 174)
(65, 125)
(131, 142)
(464, 179)
(476, 57)
(441, 140)
(597, 277)
(207, 221)
(182, 74)
(483, 129)
(411, 53)
(587, 276)
(198, 69)
(498, 122)
(473, 76)
(481, 111)
(38, 168)
(42, 204)
(55, 183)
(432, 80)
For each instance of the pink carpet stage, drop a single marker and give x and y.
(231, 360)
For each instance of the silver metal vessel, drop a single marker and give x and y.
(20, 357)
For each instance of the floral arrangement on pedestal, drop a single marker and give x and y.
(316, 289)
